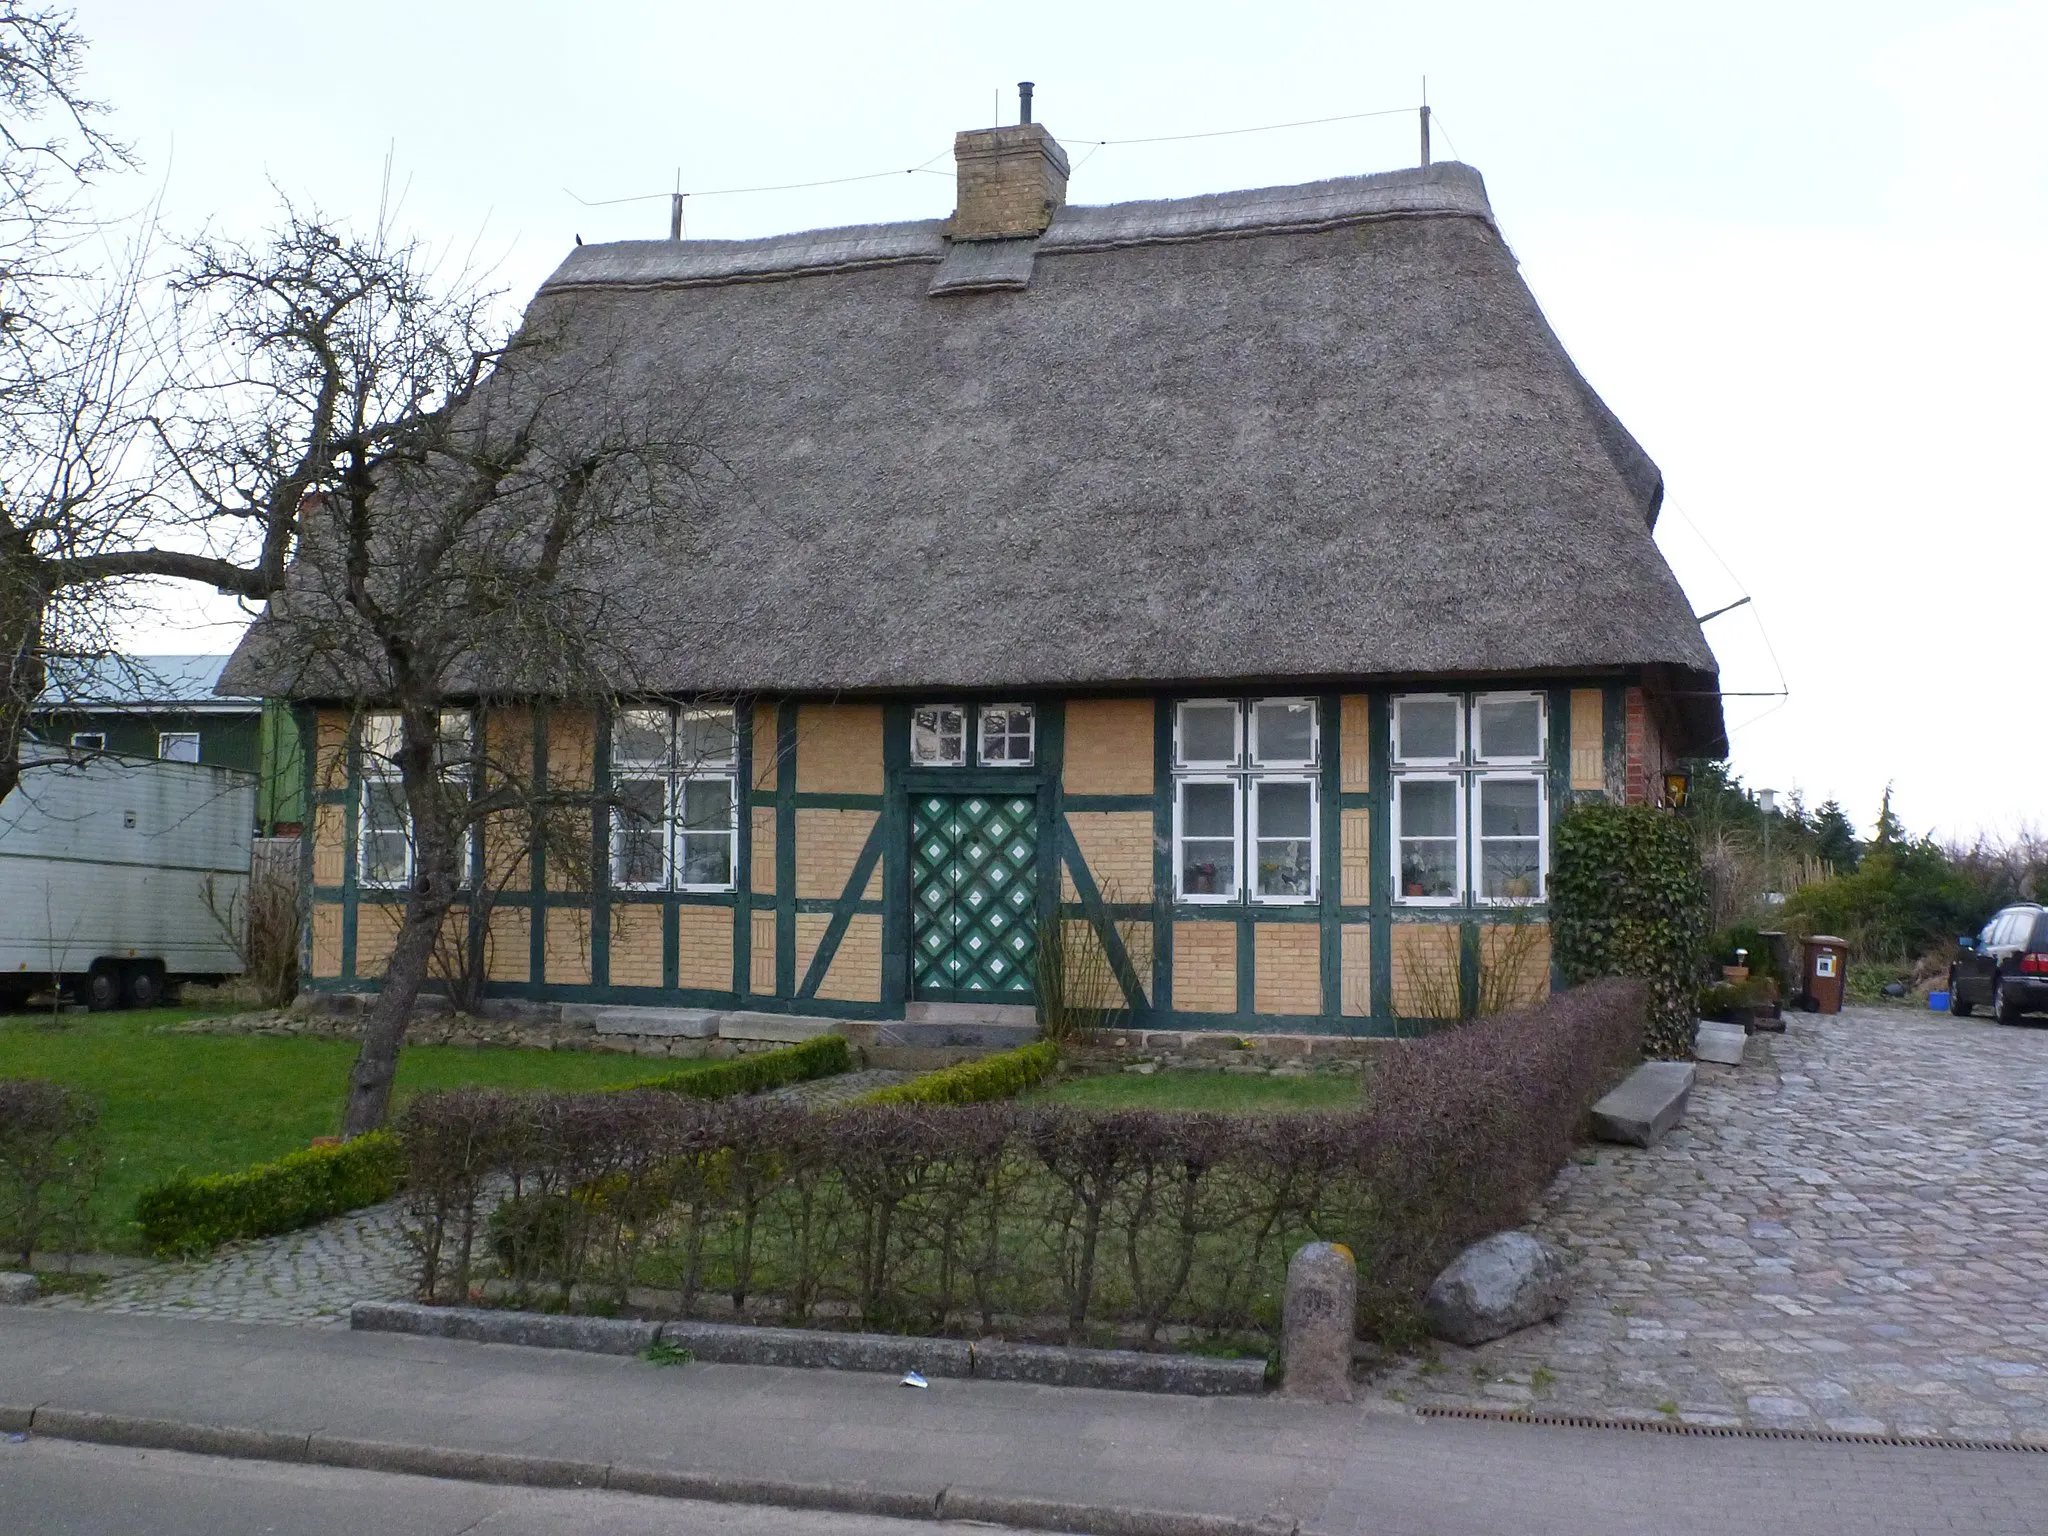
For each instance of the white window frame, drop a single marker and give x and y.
(639, 775)
(965, 715)
(89, 741)
(1235, 784)
(981, 714)
(1480, 840)
(674, 775)
(1481, 757)
(677, 831)
(1460, 812)
(1315, 736)
(1182, 763)
(371, 783)
(1315, 840)
(164, 738)
(381, 736)
(1457, 701)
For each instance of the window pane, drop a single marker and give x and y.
(1425, 728)
(1208, 867)
(1208, 733)
(178, 746)
(453, 746)
(705, 736)
(1429, 807)
(640, 738)
(641, 834)
(384, 858)
(382, 735)
(1429, 866)
(1508, 808)
(641, 802)
(1284, 810)
(1510, 728)
(1208, 810)
(1511, 869)
(1285, 868)
(384, 806)
(707, 805)
(638, 859)
(938, 735)
(1006, 735)
(1284, 733)
(707, 858)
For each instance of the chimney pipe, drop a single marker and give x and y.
(1023, 101)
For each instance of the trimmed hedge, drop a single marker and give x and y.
(188, 1214)
(1028, 1220)
(1002, 1076)
(1628, 897)
(826, 1056)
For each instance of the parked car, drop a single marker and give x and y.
(2004, 967)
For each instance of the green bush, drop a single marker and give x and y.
(1628, 898)
(188, 1214)
(826, 1056)
(50, 1156)
(1002, 1076)
(1903, 900)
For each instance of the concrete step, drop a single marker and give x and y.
(1022, 1015)
(625, 1019)
(1647, 1104)
(936, 1036)
(780, 1028)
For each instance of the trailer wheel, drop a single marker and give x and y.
(142, 986)
(103, 987)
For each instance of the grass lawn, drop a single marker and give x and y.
(212, 1103)
(1236, 1092)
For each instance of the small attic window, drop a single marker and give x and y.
(938, 735)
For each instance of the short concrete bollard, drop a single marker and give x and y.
(1316, 1323)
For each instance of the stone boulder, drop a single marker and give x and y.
(1509, 1281)
(16, 1290)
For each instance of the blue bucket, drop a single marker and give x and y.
(1938, 1001)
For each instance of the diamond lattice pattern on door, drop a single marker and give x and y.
(974, 861)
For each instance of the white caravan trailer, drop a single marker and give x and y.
(106, 865)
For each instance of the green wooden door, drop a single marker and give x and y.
(974, 870)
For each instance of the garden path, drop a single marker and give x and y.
(1849, 1233)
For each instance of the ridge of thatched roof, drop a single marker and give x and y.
(1313, 434)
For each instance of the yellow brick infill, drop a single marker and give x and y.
(1588, 738)
(1426, 968)
(1205, 967)
(1287, 968)
(855, 974)
(762, 877)
(329, 851)
(1355, 832)
(1354, 724)
(828, 845)
(761, 953)
(326, 940)
(839, 749)
(567, 956)
(508, 945)
(1356, 970)
(1117, 848)
(1108, 747)
(636, 946)
(704, 948)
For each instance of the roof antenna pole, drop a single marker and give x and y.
(675, 216)
(1023, 101)
(1425, 120)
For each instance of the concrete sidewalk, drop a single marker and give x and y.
(1321, 1470)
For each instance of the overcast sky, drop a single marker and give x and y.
(1799, 248)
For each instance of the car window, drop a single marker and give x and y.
(1989, 936)
(2008, 922)
(2038, 941)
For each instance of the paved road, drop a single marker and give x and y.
(60, 1488)
(1366, 1468)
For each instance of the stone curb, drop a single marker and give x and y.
(514, 1470)
(817, 1349)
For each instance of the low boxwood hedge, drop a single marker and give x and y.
(1002, 1076)
(188, 1213)
(826, 1056)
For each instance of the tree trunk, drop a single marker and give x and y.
(22, 673)
(439, 825)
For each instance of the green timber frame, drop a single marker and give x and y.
(836, 937)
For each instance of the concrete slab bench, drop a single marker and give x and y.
(1648, 1104)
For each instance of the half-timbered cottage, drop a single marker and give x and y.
(1255, 568)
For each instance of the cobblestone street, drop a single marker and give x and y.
(1850, 1233)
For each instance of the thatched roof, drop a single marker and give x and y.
(1314, 434)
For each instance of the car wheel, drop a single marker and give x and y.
(102, 989)
(1956, 1005)
(142, 986)
(2003, 1007)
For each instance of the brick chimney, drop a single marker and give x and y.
(1011, 181)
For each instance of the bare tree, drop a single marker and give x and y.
(463, 548)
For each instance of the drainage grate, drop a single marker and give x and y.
(1722, 1431)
